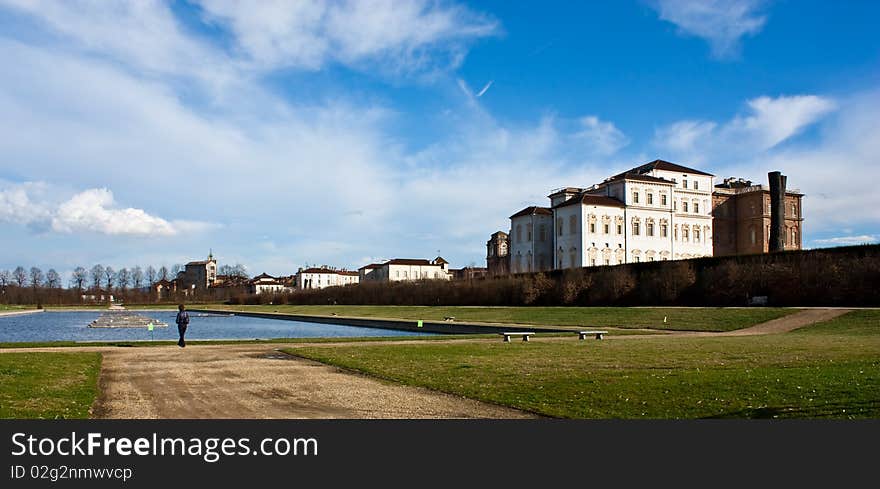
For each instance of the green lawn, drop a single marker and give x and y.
(7, 307)
(48, 385)
(686, 319)
(827, 370)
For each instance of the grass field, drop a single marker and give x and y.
(7, 307)
(684, 319)
(48, 385)
(826, 370)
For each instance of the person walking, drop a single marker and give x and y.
(182, 322)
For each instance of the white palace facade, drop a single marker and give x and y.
(657, 211)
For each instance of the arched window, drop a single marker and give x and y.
(649, 227)
(696, 234)
(685, 233)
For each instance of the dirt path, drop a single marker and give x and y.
(256, 381)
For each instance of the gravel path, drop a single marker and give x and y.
(256, 381)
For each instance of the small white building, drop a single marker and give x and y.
(400, 269)
(265, 284)
(323, 277)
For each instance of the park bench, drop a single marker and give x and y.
(525, 335)
(449, 318)
(582, 335)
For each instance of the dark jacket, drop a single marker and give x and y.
(182, 318)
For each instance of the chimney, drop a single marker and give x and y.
(777, 211)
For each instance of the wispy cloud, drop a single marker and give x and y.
(767, 123)
(485, 88)
(400, 36)
(603, 137)
(723, 23)
(849, 240)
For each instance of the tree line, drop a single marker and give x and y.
(33, 286)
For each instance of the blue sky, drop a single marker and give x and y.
(281, 134)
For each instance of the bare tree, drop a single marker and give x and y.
(19, 275)
(151, 275)
(176, 269)
(122, 278)
(53, 280)
(97, 276)
(109, 276)
(79, 277)
(137, 277)
(36, 277)
(163, 273)
(5, 278)
(239, 270)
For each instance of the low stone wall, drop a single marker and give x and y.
(19, 313)
(440, 327)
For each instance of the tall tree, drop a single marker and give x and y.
(151, 275)
(109, 276)
(36, 277)
(137, 277)
(5, 278)
(175, 269)
(79, 277)
(163, 273)
(19, 276)
(122, 278)
(53, 280)
(97, 276)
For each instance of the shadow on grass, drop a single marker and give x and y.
(866, 409)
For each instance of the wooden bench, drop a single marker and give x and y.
(582, 335)
(525, 335)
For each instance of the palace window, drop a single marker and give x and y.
(519, 233)
(572, 225)
(685, 233)
(753, 236)
(636, 259)
(649, 198)
(592, 262)
(649, 228)
(684, 206)
(559, 226)
(607, 228)
(542, 232)
(619, 228)
(607, 261)
(636, 230)
(635, 197)
(684, 183)
(664, 230)
(793, 210)
(663, 199)
(696, 185)
(592, 227)
(696, 235)
(529, 234)
(696, 207)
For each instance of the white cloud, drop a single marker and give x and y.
(849, 240)
(89, 211)
(402, 36)
(833, 169)
(773, 120)
(768, 123)
(93, 211)
(723, 23)
(603, 137)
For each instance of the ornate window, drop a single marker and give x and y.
(696, 207)
(649, 198)
(636, 226)
(664, 228)
(684, 206)
(685, 232)
(663, 200)
(635, 196)
(649, 227)
(696, 234)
